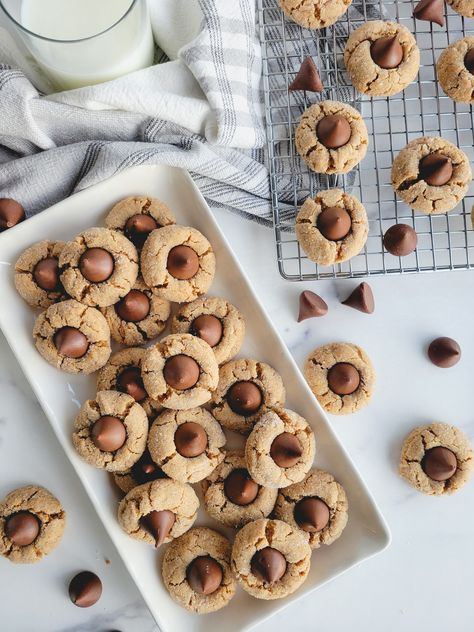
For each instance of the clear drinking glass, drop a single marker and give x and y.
(83, 42)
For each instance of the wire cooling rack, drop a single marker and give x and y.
(445, 242)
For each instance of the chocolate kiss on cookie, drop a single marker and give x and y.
(469, 60)
(239, 488)
(436, 169)
(133, 307)
(387, 52)
(333, 131)
(204, 575)
(311, 514)
(334, 223)
(190, 439)
(130, 381)
(183, 262)
(46, 274)
(343, 378)
(439, 463)
(138, 227)
(181, 372)
(158, 524)
(85, 589)
(430, 11)
(208, 328)
(307, 79)
(286, 450)
(96, 265)
(108, 433)
(311, 305)
(70, 342)
(146, 470)
(244, 398)
(11, 213)
(268, 564)
(361, 299)
(22, 528)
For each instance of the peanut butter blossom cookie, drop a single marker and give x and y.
(382, 58)
(431, 175)
(341, 377)
(145, 470)
(180, 372)
(196, 571)
(139, 316)
(280, 449)
(32, 523)
(178, 263)
(232, 497)
(214, 320)
(332, 227)
(317, 506)
(186, 444)
(110, 431)
(331, 137)
(138, 216)
(463, 7)
(159, 511)
(98, 267)
(436, 459)
(123, 373)
(455, 69)
(37, 274)
(315, 14)
(246, 389)
(270, 558)
(73, 337)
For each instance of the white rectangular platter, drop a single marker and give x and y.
(60, 396)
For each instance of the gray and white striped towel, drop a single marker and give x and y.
(200, 111)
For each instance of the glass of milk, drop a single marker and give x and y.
(83, 42)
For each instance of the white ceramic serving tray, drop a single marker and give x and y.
(61, 395)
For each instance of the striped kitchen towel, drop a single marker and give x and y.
(200, 111)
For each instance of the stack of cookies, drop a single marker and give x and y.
(165, 407)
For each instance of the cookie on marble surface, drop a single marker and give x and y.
(98, 267)
(317, 506)
(32, 523)
(232, 497)
(139, 316)
(331, 137)
(216, 321)
(73, 337)
(382, 58)
(315, 14)
(178, 263)
(186, 444)
(431, 175)
(180, 371)
(280, 449)
(145, 470)
(37, 274)
(332, 227)
(110, 431)
(455, 68)
(196, 571)
(123, 373)
(436, 459)
(159, 511)
(463, 7)
(138, 216)
(270, 558)
(246, 389)
(341, 377)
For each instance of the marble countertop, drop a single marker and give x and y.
(423, 581)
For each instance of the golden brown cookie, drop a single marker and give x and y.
(315, 14)
(37, 274)
(463, 7)
(456, 79)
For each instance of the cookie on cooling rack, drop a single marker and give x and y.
(463, 7)
(315, 14)
(455, 69)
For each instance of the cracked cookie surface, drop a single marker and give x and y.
(123, 274)
(155, 263)
(263, 376)
(88, 320)
(315, 14)
(231, 322)
(263, 468)
(160, 495)
(25, 282)
(366, 75)
(454, 77)
(49, 514)
(198, 542)
(164, 452)
(321, 485)
(463, 7)
(424, 438)
(153, 365)
(139, 316)
(418, 194)
(316, 246)
(318, 157)
(221, 508)
(278, 535)
(322, 360)
(133, 417)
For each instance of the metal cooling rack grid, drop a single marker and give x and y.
(445, 242)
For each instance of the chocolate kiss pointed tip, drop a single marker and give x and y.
(430, 11)
(311, 306)
(307, 79)
(361, 299)
(159, 525)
